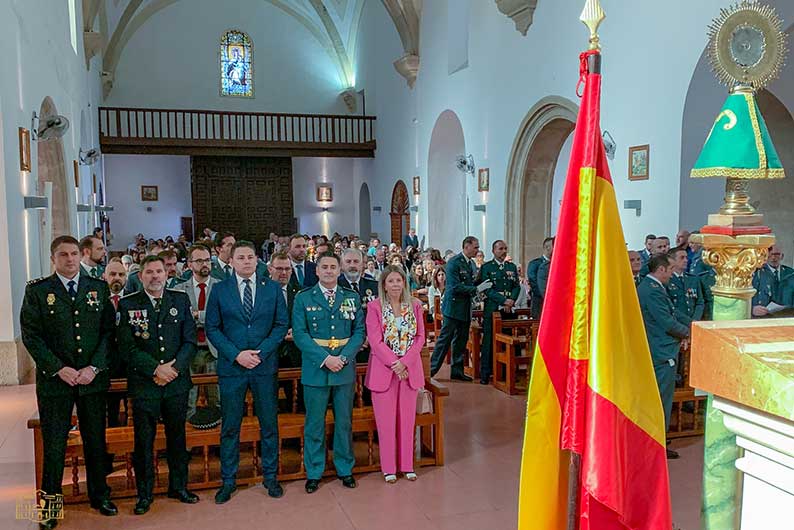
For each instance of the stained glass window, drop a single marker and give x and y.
(237, 64)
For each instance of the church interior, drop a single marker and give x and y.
(376, 120)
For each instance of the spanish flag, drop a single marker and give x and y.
(593, 392)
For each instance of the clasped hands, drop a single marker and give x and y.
(400, 369)
(72, 377)
(248, 358)
(165, 373)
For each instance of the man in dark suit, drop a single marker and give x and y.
(456, 309)
(157, 335)
(221, 264)
(304, 271)
(289, 356)
(246, 321)
(645, 253)
(410, 239)
(116, 278)
(665, 332)
(351, 278)
(537, 291)
(67, 323)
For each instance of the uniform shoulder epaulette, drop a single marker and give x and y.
(306, 289)
(128, 295)
(37, 280)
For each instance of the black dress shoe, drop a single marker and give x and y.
(312, 485)
(49, 524)
(142, 506)
(348, 481)
(672, 455)
(273, 488)
(105, 507)
(225, 493)
(461, 377)
(184, 496)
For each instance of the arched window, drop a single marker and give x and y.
(237, 64)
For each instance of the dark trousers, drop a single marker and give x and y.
(455, 332)
(486, 350)
(289, 356)
(146, 412)
(55, 414)
(264, 389)
(114, 401)
(665, 379)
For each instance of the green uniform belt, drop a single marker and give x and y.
(332, 343)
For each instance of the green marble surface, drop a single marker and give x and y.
(720, 504)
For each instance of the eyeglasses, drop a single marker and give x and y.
(200, 261)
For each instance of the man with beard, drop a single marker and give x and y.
(303, 271)
(92, 252)
(198, 289)
(116, 278)
(157, 335)
(170, 258)
(351, 278)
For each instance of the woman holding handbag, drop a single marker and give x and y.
(396, 334)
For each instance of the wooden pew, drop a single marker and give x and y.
(510, 338)
(689, 411)
(204, 472)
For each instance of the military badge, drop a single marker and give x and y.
(118, 318)
(145, 335)
(174, 312)
(348, 309)
(51, 299)
(92, 299)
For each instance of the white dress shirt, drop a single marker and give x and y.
(65, 281)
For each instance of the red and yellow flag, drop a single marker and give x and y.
(593, 390)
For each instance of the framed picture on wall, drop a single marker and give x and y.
(639, 162)
(484, 179)
(149, 193)
(24, 149)
(417, 188)
(325, 193)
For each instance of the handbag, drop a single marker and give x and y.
(424, 402)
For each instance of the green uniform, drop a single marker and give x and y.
(59, 329)
(506, 285)
(786, 291)
(536, 302)
(765, 285)
(93, 272)
(708, 277)
(686, 293)
(664, 332)
(148, 337)
(313, 317)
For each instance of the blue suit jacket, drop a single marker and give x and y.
(230, 332)
(310, 278)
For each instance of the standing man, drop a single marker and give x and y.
(665, 332)
(380, 262)
(67, 324)
(116, 278)
(198, 289)
(534, 266)
(92, 252)
(328, 326)
(500, 297)
(304, 271)
(367, 289)
(289, 356)
(636, 264)
(779, 271)
(645, 253)
(246, 321)
(170, 258)
(410, 239)
(157, 335)
(221, 266)
(456, 309)
(685, 290)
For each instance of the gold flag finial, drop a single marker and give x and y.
(592, 16)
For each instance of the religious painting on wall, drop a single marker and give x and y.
(484, 179)
(416, 186)
(237, 64)
(149, 193)
(325, 193)
(639, 162)
(24, 149)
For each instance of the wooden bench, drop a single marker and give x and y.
(204, 472)
(688, 417)
(513, 348)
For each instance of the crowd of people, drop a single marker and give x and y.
(163, 309)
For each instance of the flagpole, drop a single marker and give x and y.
(592, 16)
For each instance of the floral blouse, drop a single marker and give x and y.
(399, 330)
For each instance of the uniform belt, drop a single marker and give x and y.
(331, 343)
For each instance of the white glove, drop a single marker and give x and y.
(484, 286)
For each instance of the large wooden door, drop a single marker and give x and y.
(249, 196)
(400, 215)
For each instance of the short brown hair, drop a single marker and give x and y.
(243, 244)
(195, 248)
(151, 259)
(327, 255)
(62, 240)
(167, 254)
(87, 243)
(279, 255)
(295, 236)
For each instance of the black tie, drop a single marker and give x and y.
(157, 303)
(72, 290)
(355, 286)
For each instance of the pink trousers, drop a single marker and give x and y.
(395, 417)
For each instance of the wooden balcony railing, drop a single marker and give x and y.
(183, 131)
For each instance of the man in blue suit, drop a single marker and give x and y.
(246, 320)
(410, 239)
(304, 273)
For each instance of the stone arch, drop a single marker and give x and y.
(364, 212)
(51, 167)
(448, 217)
(530, 172)
(400, 214)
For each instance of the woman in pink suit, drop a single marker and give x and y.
(396, 334)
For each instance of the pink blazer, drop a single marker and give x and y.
(379, 372)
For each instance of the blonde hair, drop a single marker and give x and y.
(405, 295)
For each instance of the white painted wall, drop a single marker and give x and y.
(341, 216)
(125, 174)
(37, 61)
(172, 61)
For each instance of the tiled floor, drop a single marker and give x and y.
(476, 489)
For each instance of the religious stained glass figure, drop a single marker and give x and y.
(237, 64)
